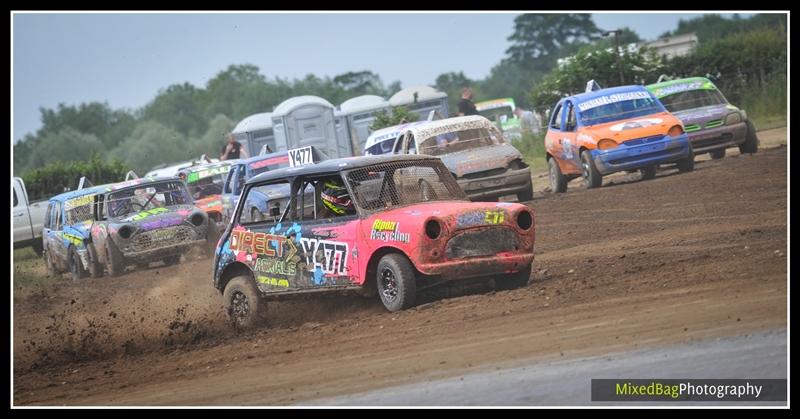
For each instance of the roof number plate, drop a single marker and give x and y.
(300, 156)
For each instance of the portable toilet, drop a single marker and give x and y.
(342, 129)
(255, 131)
(308, 121)
(421, 100)
(360, 113)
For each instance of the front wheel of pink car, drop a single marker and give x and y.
(397, 284)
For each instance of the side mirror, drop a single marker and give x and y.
(275, 211)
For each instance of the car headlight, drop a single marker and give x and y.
(606, 143)
(675, 131)
(733, 118)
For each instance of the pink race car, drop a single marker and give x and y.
(380, 224)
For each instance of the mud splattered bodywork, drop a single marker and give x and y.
(475, 152)
(148, 220)
(408, 205)
(67, 228)
(205, 184)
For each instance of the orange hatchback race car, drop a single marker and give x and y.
(611, 130)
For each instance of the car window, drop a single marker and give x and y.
(48, 214)
(331, 197)
(264, 204)
(241, 178)
(572, 122)
(555, 122)
(57, 217)
(147, 196)
(16, 201)
(229, 180)
(393, 184)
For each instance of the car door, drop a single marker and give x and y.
(552, 140)
(228, 204)
(22, 219)
(568, 139)
(328, 242)
(48, 235)
(60, 243)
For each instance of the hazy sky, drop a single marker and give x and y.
(124, 59)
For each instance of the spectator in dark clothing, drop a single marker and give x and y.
(233, 150)
(465, 105)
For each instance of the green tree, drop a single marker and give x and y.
(66, 145)
(211, 142)
(541, 37)
(180, 107)
(357, 83)
(150, 144)
(398, 115)
(639, 67)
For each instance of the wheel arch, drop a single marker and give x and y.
(370, 273)
(231, 271)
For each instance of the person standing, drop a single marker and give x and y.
(233, 150)
(465, 105)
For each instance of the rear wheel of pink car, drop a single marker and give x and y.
(96, 269)
(397, 284)
(51, 266)
(558, 182)
(717, 154)
(591, 176)
(514, 281)
(242, 302)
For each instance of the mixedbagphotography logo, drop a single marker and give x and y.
(659, 390)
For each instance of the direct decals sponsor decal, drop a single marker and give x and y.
(275, 266)
(259, 243)
(607, 99)
(277, 282)
(639, 123)
(387, 231)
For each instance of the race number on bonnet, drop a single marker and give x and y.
(300, 156)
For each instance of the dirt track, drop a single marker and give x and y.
(634, 264)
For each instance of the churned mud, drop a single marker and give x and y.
(632, 264)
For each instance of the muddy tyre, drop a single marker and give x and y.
(591, 176)
(243, 303)
(686, 164)
(396, 282)
(49, 264)
(96, 269)
(750, 144)
(558, 182)
(717, 154)
(527, 195)
(76, 270)
(515, 280)
(172, 260)
(648, 172)
(115, 262)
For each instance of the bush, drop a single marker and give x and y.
(59, 177)
(399, 115)
(533, 152)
